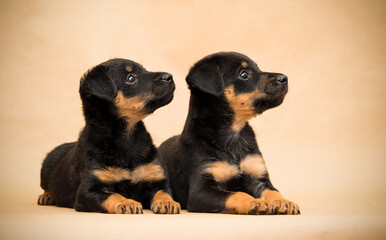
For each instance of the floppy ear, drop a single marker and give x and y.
(97, 83)
(206, 76)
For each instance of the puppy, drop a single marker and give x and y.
(215, 165)
(114, 166)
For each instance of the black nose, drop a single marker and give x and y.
(167, 77)
(282, 79)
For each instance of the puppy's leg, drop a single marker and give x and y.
(257, 183)
(91, 198)
(205, 196)
(163, 203)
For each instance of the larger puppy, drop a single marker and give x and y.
(114, 166)
(215, 165)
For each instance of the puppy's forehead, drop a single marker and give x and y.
(236, 60)
(127, 65)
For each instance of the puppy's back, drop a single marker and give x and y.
(51, 161)
(168, 150)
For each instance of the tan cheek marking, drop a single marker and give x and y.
(222, 171)
(253, 165)
(132, 108)
(129, 68)
(112, 174)
(242, 106)
(151, 172)
(244, 64)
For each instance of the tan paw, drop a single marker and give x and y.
(243, 203)
(45, 199)
(259, 206)
(164, 204)
(284, 206)
(116, 203)
(278, 204)
(166, 207)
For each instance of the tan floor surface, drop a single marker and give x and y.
(319, 220)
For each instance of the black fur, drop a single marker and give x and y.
(107, 140)
(208, 135)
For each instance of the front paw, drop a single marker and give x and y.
(166, 207)
(243, 203)
(284, 206)
(164, 204)
(130, 207)
(259, 206)
(116, 203)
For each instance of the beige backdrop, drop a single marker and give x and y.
(325, 142)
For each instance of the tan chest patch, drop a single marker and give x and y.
(150, 172)
(242, 106)
(222, 171)
(112, 174)
(132, 108)
(253, 165)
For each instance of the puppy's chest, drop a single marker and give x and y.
(147, 172)
(226, 173)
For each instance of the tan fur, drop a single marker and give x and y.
(133, 109)
(243, 203)
(222, 171)
(129, 68)
(116, 203)
(253, 165)
(112, 174)
(151, 172)
(242, 106)
(163, 203)
(244, 64)
(271, 195)
(276, 201)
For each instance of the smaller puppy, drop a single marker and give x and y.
(114, 166)
(215, 165)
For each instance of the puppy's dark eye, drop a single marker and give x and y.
(131, 79)
(244, 75)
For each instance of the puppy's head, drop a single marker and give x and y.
(239, 81)
(128, 87)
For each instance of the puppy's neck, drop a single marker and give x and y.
(102, 119)
(211, 118)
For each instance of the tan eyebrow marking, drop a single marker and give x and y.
(129, 68)
(244, 64)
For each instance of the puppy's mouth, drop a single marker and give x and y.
(271, 100)
(160, 98)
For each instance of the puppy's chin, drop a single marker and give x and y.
(268, 102)
(158, 102)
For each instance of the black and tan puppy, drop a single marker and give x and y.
(215, 165)
(114, 166)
